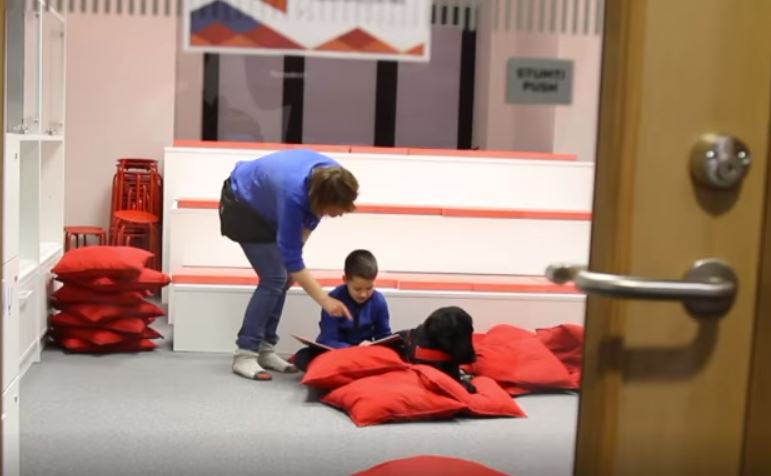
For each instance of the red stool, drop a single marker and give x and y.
(82, 233)
(130, 225)
(135, 213)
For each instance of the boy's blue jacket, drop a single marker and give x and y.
(370, 321)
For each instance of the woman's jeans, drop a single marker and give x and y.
(264, 310)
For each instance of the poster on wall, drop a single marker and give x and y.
(397, 30)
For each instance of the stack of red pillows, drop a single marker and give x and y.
(103, 304)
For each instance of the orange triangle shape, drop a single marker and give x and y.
(216, 34)
(335, 45)
(277, 4)
(357, 40)
(265, 37)
(377, 46)
(198, 41)
(239, 40)
(417, 50)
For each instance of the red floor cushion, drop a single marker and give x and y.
(126, 325)
(120, 262)
(338, 367)
(148, 280)
(97, 337)
(97, 313)
(429, 465)
(489, 400)
(394, 396)
(516, 358)
(74, 344)
(73, 294)
(566, 342)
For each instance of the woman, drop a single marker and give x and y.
(270, 206)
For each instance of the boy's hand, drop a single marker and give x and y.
(365, 343)
(336, 308)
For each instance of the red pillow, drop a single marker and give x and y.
(428, 465)
(394, 396)
(567, 343)
(125, 325)
(98, 337)
(514, 357)
(73, 294)
(79, 345)
(97, 313)
(150, 333)
(341, 366)
(489, 400)
(119, 262)
(148, 280)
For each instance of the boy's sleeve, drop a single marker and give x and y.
(382, 321)
(330, 332)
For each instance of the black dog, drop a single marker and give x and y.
(443, 341)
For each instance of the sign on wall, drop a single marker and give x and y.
(363, 29)
(539, 81)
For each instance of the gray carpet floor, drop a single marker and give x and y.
(167, 413)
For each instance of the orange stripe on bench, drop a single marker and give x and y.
(493, 154)
(385, 280)
(207, 203)
(211, 144)
(198, 203)
(521, 214)
(247, 277)
(399, 209)
(363, 149)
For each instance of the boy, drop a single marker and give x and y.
(367, 306)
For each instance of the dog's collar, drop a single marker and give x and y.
(433, 355)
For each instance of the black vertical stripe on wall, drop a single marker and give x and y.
(385, 103)
(468, 48)
(294, 88)
(211, 94)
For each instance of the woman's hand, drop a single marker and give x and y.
(335, 308)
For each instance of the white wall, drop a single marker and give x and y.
(120, 103)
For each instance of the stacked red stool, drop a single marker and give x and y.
(80, 235)
(135, 214)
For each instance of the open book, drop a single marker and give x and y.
(387, 340)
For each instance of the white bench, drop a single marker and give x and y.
(207, 304)
(473, 229)
(407, 239)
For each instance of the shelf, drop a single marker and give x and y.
(48, 250)
(35, 137)
(26, 267)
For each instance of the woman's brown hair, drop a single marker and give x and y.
(332, 187)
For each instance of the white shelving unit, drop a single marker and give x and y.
(33, 166)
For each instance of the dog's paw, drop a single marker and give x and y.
(465, 380)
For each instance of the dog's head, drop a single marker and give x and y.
(451, 329)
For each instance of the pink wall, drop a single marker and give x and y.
(187, 98)
(120, 103)
(543, 128)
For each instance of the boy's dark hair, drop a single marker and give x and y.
(362, 264)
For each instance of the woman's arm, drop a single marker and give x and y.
(328, 303)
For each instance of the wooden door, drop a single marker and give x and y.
(665, 393)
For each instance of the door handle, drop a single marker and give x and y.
(708, 289)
